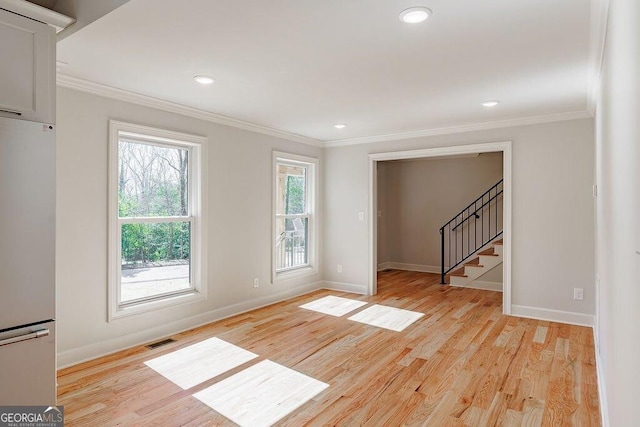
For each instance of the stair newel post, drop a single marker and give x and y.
(442, 256)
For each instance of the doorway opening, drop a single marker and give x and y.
(503, 148)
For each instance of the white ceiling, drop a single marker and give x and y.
(300, 66)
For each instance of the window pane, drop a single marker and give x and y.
(152, 180)
(155, 259)
(291, 242)
(291, 189)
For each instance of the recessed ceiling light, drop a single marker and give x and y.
(204, 80)
(492, 103)
(340, 126)
(414, 15)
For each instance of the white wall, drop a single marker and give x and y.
(419, 196)
(553, 242)
(239, 221)
(495, 275)
(618, 214)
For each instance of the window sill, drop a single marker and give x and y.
(144, 307)
(294, 274)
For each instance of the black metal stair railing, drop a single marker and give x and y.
(472, 228)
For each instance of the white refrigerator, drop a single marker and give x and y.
(27, 263)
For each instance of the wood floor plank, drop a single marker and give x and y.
(461, 364)
(512, 418)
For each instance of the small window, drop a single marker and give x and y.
(155, 218)
(294, 220)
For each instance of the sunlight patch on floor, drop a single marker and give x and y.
(382, 316)
(199, 362)
(261, 395)
(334, 306)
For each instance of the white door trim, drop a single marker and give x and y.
(504, 147)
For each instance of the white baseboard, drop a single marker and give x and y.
(384, 266)
(92, 351)
(602, 389)
(409, 267)
(345, 287)
(569, 317)
(479, 284)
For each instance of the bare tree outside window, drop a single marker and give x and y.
(153, 205)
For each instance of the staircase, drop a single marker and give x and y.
(469, 241)
(478, 266)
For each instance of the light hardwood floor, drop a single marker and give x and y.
(462, 363)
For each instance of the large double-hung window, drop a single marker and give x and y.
(156, 218)
(294, 250)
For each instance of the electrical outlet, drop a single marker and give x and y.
(578, 294)
(339, 268)
(256, 282)
(361, 216)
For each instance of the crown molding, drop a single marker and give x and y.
(520, 121)
(597, 40)
(82, 85)
(38, 13)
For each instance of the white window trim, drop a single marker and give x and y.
(312, 209)
(197, 185)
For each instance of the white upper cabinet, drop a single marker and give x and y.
(27, 68)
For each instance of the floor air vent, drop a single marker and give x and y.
(160, 343)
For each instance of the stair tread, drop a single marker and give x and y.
(459, 272)
(488, 252)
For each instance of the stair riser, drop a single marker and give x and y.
(471, 275)
(472, 272)
(457, 281)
